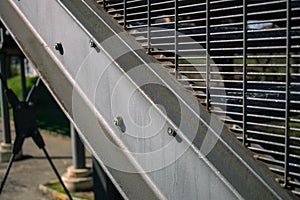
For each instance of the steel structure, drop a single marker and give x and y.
(255, 47)
(150, 134)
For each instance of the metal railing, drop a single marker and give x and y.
(240, 58)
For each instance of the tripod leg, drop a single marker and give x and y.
(11, 160)
(37, 138)
(18, 144)
(57, 174)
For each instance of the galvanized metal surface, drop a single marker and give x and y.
(113, 78)
(254, 45)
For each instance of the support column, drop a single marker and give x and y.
(78, 177)
(5, 146)
(23, 78)
(78, 152)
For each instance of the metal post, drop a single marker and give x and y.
(78, 177)
(207, 55)
(78, 152)
(149, 27)
(176, 37)
(1, 38)
(104, 5)
(287, 95)
(5, 146)
(23, 79)
(4, 103)
(125, 14)
(245, 73)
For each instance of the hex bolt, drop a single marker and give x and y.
(119, 122)
(92, 44)
(171, 132)
(58, 46)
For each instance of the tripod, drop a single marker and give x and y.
(25, 126)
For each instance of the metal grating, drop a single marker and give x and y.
(240, 58)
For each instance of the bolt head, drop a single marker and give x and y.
(116, 122)
(92, 44)
(58, 46)
(171, 132)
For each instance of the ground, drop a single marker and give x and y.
(27, 174)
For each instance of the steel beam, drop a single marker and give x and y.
(147, 132)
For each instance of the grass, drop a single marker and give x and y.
(14, 83)
(58, 188)
(48, 113)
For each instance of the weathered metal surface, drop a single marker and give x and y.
(114, 78)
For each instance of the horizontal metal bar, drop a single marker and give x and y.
(265, 3)
(266, 125)
(262, 142)
(267, 12)
(227, 16)
(270, 160)
(266, 117)
(265, 133)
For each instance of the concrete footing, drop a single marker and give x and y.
(5, 152)
(78, 179)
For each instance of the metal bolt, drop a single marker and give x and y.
(58, 46)
(119, 122)
(171, 132)
(116, 122)
(92, 44)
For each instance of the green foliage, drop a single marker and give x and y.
(15, 84)
(57, 187)
(49, 115)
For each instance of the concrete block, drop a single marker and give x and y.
(78, 179)
(5, 152)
